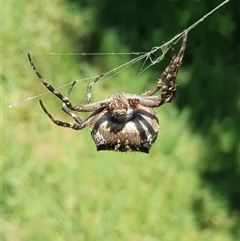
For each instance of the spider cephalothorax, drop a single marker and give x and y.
(122, 122)
(120, 108)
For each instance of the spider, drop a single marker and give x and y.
(122, 122)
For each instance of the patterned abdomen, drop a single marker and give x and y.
(137, 134)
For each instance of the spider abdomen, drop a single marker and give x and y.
(136, 134)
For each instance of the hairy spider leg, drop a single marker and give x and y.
(167, 82)
(168, 77)
(163, 76)
(170, 74)
(65, 100)
(89, 88)
(48, 86)
(159, 81)
(76, 126)
(65, 108)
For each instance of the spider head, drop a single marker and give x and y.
(120, 108)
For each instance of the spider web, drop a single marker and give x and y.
(146, 56)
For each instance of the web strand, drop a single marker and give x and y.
(141, 55)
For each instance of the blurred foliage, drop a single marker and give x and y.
(57, 187)
(211, 89)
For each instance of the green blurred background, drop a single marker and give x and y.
(56, 186)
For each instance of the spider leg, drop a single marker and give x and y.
(169, 75)
(50, 87)
(74, 116)
(167, 81)
(76, 126)
(163, 76)
(66, 109)
(89, 88)
(87, 108)
(65, 100)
